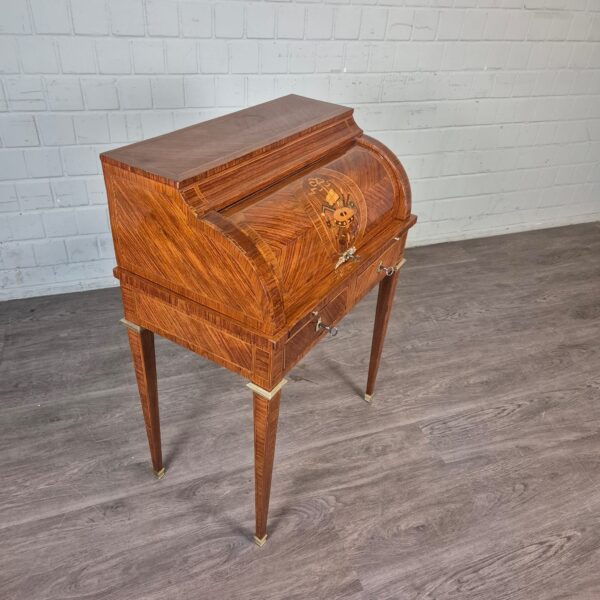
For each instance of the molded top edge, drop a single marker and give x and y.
(201, 150)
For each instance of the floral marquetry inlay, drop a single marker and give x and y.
(340, 206)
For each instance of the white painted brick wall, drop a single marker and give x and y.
(492, 105)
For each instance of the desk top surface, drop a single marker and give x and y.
(212, 145)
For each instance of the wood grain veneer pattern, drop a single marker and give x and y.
(266, 415)
(246, 237)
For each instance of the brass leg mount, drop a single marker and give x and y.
(260, 542)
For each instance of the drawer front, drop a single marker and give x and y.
(373, 272)
(305, 338)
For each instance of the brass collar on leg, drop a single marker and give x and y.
(399, 265)
(266, 393)
(131, 326)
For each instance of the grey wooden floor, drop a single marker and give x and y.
(474, 475)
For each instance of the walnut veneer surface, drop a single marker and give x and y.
(246, 238)
(474, 475)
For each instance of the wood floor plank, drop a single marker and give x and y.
(443, 524)
(475, 474)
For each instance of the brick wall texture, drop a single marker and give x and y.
(492, 105)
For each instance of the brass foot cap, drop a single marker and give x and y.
(160, 474)
(369, 398)
(260, 541)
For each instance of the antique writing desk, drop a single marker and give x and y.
(246, 239)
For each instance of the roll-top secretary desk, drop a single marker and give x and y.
(246, 239)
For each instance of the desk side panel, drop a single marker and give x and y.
(157, 238)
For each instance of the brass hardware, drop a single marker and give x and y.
(160, 474)
(131, 326)
(332, 331)
(369, 398)
(346, 256)
(260, 541)
(268, 395)
(389, 271)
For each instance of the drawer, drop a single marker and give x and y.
(372, 273)
(307, 335)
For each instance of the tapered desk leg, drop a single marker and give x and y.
(385, 299)
(141, 342)
(266, 414)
